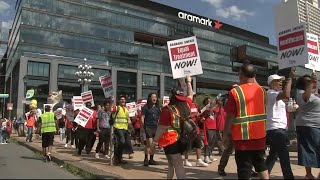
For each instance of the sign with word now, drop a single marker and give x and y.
(292, 46)
(83, 116)
(184, 57)
(132, 107)
(77, 102)
(313, 52)
(106, 84)
(87, 97)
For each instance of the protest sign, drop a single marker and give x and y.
(77, 102)
(106, 84)
(165, 100)
(141, 103)
(69, 112)
(87, 97)
(83, 116)
(132, 107)
(292, 46)
(184, 57)
(313, 52)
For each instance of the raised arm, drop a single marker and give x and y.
(189, 87)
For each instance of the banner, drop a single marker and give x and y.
(87, 97)
(69, 112)
(132, 107)
(77, 102)
(51, 107)
(30, 93)
(83, 116)
(184, 57)
(292, 46)
(313, 52)
(106, 84)
(165, 100)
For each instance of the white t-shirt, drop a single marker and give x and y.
(276, 112)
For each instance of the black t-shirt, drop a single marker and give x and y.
(151, 116)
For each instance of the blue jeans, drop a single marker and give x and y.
(29, 134)
(3, 136)
(121, 137)
(278, 148)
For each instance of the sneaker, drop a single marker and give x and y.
(146, 162)
(207, 160)
(130, 156)
(97, 156)
(66, 145)
(222, 172)
(72, 146)
(213, 159)
(200, 163)
(49, 157)
(187, 163)
(153, 162)
(107, 156)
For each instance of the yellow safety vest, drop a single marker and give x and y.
(121, 120)
(47, 122)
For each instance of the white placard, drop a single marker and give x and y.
(132, 107)
(87, 97)
(141, 103)
(106, 84)
(165, 100)
(69, 112)
(83, 116)
(292, 46)
(313, 52)
(184, 57)
(77, 102)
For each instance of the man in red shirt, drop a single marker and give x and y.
(249, 152)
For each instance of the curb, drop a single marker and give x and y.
(74, 169)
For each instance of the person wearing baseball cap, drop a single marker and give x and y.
(277, 136)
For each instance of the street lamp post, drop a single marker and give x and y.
(85, 75)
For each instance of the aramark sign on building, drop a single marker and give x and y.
(203, 21)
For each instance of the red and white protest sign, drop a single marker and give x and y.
(313, 52)
(165, 100)
(132, 107)
(83, 116)
(184, 57)
(77, 102)
(141, 103)
(87, 97)
(292, 46)
(69, 112)
(106, 84)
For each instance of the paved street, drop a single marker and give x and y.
(19, 162)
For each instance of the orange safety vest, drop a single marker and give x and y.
(171, 135)
(250, 120)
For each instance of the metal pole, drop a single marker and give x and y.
(85, 87)
(10, 95)
(4, 100)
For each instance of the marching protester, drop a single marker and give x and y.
(3, 131)
(308, 125)
(70, 133)
(62, 127)
(277, 136)
(48, 128)
(197, 142)
(245, 123)
(137, 128)
(20, 125)
(209, 130)
(104, 129)
(149, 119)
(85, 134)
(121, 125)
(219, 115)
(31, 120)
(169, 130)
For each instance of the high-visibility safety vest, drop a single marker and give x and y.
(250, 120)
(47, 122)
(171, 135)
(121, 119)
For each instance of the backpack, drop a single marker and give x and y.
(113, 116)
(188, 129)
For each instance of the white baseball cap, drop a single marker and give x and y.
(275, 77)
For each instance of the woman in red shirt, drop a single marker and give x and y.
(31, 119)
(220, 117)
(137, 126)
(70, 133)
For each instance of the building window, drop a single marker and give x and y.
(169, 83)
(41, 87)
(67, 72)
(150, 84)
(127, 85)
(38, 69)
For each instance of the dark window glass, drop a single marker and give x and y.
(146, 92)
(126, 78)
(170, 83)
(128, 91)
(41, 87)
(150, 80)
(38, 69)
(67, 72)
(69, 89)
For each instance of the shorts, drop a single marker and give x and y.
(196, 143)
(150, 132)
(248, 158)
(47, 139)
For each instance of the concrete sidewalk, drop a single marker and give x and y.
(90, 167)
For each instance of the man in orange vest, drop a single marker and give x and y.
(246, 124)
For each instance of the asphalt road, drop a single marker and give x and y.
(18, 162)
